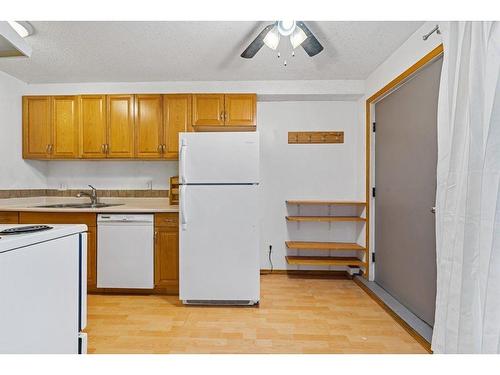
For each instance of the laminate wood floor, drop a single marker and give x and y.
(296, 315)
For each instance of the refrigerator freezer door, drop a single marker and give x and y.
(219, 158)
(219, 257)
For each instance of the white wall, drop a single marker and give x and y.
(326, 88)
(112, 174)
(15, 173)
(325, 171)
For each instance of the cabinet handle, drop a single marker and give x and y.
(160, 149)
(47, 149)
(103, 148)
(221, 115)
(163, 147)
(225, 116)
(107, 148)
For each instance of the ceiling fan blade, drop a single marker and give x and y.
(257, 43)
(311, 45)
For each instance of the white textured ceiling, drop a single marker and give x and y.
(198, 51)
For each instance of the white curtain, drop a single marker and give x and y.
(468, 191)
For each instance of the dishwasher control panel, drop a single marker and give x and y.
(134, 218)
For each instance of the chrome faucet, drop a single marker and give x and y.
(92, 196)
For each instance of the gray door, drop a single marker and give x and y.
(405, 180)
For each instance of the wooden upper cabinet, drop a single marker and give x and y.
(240, 109)
(120, 126)
(231, 110)
(177, 119)
(37, 140)
(208, 110)
(148, 126)
(93, 134)
(64, 127)
(127, 126)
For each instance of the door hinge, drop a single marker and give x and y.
(373, 192)
(374, 127)
(373, 257)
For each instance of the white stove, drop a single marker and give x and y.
(43, 290)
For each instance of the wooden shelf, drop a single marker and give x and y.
(304, 245)
(337, 260)
(325, 218)
(324, 261)
(327, 203)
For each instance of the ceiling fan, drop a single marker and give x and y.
(297, 31)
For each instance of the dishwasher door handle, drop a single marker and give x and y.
(124, 221)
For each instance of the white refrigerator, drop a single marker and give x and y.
(43, 291)
(218, 231)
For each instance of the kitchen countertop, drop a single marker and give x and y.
(127, 205)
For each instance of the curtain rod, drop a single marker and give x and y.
(435, 29)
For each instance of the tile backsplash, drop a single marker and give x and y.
(25, 193)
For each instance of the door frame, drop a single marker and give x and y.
(393, 85)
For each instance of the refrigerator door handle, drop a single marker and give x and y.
(182, 161)
(182, 204)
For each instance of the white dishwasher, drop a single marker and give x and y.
(125, 251)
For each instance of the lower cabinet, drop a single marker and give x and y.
(9, 217)
(166, 245)
(167, 253)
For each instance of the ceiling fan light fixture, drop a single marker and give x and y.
(23, 28)
(286, 28)
(272, 39)
(297, 37)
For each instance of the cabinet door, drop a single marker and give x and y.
(240, 109)
(167, 252)
(177, 118)
(9, 217)
(93, 126)
(36, 127)
(120, 126)
(64, 127)
(208, 109)
(148, 126)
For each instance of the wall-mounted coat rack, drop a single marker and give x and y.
(315, 137)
